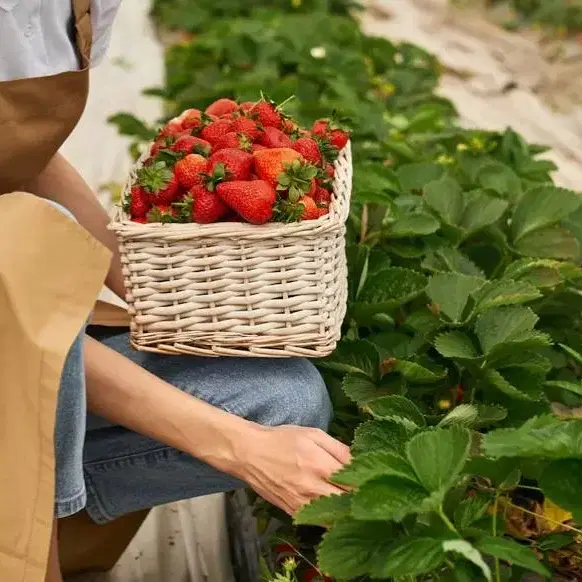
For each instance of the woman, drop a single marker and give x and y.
(159, 429)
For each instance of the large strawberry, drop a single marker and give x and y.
(190, 144)
(239, 141)
(267, 114)
(286, 170)
(191, 170)
(322, 197)
(309, 149)
(247, 126)
(275, 138)
(222, 107)
(207, 206)
(252, 200)
(159, 182)
(304, 208)
(216, 129)
(232, 163)
(172, 128)
(139, 203)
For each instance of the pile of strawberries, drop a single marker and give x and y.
(244, 162)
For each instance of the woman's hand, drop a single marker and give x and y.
(289, 465)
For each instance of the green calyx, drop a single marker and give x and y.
(287, 211)
(296, 179)
(155, 177)
(220, 173)
(327, 149)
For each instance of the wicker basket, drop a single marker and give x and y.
(235, 289)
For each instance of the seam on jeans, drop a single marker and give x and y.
(66, 509)
(70, 498)
(158, 452)
(95, 507)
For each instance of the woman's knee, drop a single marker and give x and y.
(294, 393)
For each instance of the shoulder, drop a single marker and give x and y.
(38, 36)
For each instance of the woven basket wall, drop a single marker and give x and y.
(234, 289)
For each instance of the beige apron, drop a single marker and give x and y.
(51, 271)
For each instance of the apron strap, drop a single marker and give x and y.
(83, 31)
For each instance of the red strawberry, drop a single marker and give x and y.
(233, 164)
(270, 164)
(312, 189)
(207, 206)
(322, 197)
(139, 204)
(320, 127)
(257, 147)
(192, 119)
(222, 107)
(215, 130)
(322, 211)
(289, 126)
(309, 149)
(310, 210)
(275, 138)
(329, 170)
(254, 201)
(339, 138)
(247, 126)
(190, 170)
(233, 140)
(172, 128)
(163, 213)
(159, 182)
(286, 170)
(140, 219)
(190, 144)
(314, 575)
(247, 106)
(267, 114)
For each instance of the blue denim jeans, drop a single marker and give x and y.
(112, 471)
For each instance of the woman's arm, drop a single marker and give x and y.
(61, 183)
(286, 465)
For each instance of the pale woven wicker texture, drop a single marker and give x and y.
(234, 289)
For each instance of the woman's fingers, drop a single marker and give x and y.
(334, 447)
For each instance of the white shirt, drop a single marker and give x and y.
(37, 39)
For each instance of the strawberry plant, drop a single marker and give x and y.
(458, 376)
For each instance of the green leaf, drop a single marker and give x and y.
(504, 324)
(574, 388)
(410, 225)
(450, 293)
(358, 257)
(490, 414)
(415, 373)
(555, 541)
(504, 292)
(542, 272)
(541, 207)
(445, 197)
(388, 497)
(128, 124)
(449, 259)
(396, 407)
(352, 548)
(497, 379)
(562, 482)
(325, 510)
(552, 242)
(411, 557)
(390, 288)
(456, 344)
(383, 435)
(438, 456)
(367, 466)
(469, 552)
(501, 179)
(359, 357)
(481, 210)
(361, 388)
(545, 437)
(471, 510)
(461, 415)
(512, 552)
(414, 176)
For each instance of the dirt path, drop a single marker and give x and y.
(497, 78)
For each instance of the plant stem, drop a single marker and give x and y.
(364, 223)
(494, 532)
(447, 521)
(564, 525)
